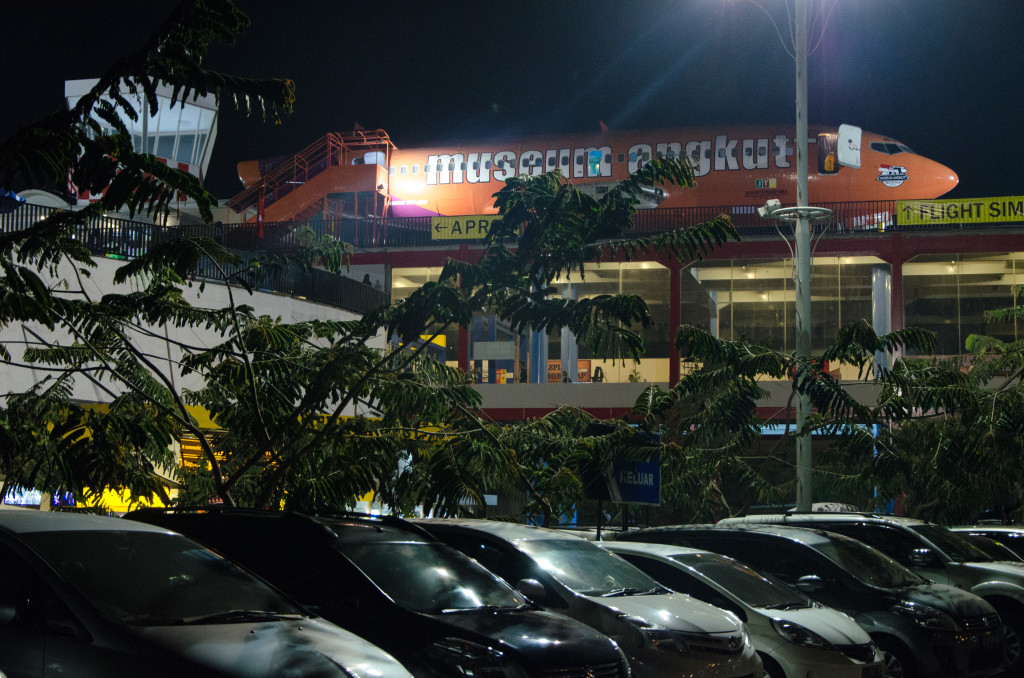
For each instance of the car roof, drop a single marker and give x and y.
(995, 529)
(805, 535)
(664, 550)
(346, 528)
(512, 532)
(820, 516)
(28, 521)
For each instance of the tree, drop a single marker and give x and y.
(55, 443)
(280, 391)
(712, 416)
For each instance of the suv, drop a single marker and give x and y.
(434, 609)
(93, 597)
(663, 633)
(922, 628)
(935, 552)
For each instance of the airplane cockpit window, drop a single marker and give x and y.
(889, 148)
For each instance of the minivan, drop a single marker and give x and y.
(664, 634)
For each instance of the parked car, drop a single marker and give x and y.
(436, 610)
(94, 597)
(1010, 536)
(922, 629)
(794, 635)
(934, 552)
(662, 633)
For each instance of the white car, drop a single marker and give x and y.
(94, 597)
(794, 635)
(664, 634)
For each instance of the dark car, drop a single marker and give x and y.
(923, 629)
(935, 552)
(95, 597)
(436, 610)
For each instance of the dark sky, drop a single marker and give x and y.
(943, 76)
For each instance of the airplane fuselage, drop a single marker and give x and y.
(732, 165)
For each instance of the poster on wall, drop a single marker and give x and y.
(583, 371)
(554, 371)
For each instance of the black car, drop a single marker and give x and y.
(923, 629)
(89, 596)
(436, 610)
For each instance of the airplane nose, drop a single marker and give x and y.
(942, 178)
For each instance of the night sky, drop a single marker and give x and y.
(943, 76)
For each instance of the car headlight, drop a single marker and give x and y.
(656, 635)
(465, 658)
(800, 635)
(926, 615)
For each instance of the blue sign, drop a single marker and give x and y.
(636, 482)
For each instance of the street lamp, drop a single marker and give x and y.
(801, 216)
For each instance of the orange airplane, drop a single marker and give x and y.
(365, 174)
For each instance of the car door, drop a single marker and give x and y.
(39, 635)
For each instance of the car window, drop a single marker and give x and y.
(27, 603)
(890, 540)
(683, 581)
(430, 577)
(586, 568)
(752, 587)
(866, 563)
(954, 545)
(153, 578)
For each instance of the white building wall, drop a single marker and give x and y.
(16, 376)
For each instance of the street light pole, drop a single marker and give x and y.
(803, 259)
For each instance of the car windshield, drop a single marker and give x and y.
(155, 578)
(867, 564)
(752, 587)
(587, 568)
(430, 577)
(955, 546)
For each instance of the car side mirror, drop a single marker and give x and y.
(922, 558)
(532, 589)
(810, 583)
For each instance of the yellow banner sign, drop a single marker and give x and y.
(473, 227)
(965, 211)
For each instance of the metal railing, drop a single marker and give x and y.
(849, 219)
(123, 238)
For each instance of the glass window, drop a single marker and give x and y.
(949, 295)
(752, 587)
(429, 577)
(586, 568)
(153, 578)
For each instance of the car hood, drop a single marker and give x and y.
(543, 639)
(310, 648)
(674, 611)
(832, 625)
(948, 599)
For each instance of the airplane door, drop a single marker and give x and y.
(828, 161)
